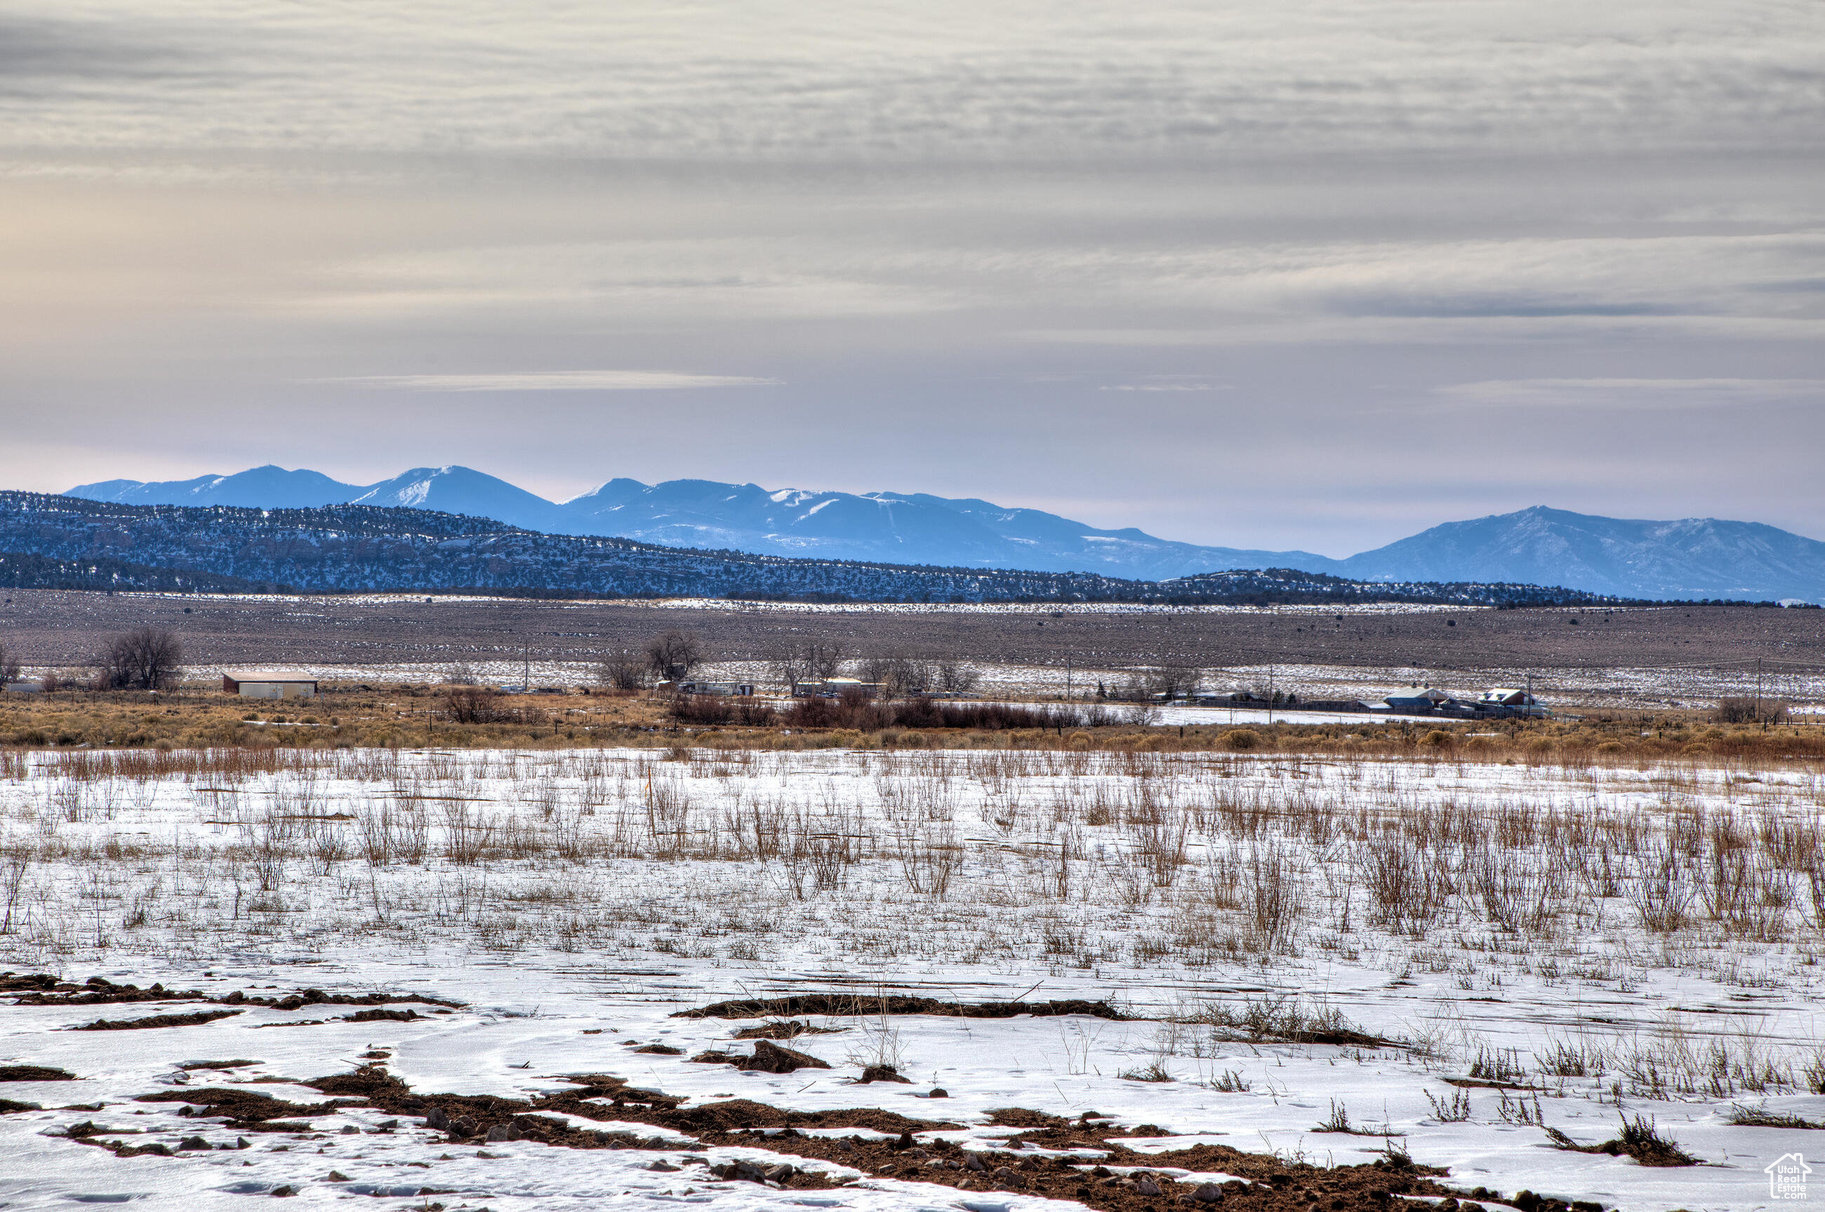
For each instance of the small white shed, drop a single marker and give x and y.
(268, 684)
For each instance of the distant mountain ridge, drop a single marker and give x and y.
(895, 528)
(1694, 558)
(70, 542)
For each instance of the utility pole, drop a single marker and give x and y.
(1758, 690)
(526, 668)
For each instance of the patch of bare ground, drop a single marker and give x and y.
(854, 1005)
(245, 1110)
(34, 1073)
(1082, 1160)
(43, 989)
(194, 1019)
(778, 1029)
(60, 628)
(767, 1057)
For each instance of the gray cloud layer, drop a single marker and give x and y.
(1394, 262)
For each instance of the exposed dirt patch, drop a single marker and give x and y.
(882, 1073)
(317, 997)
(244, 1109)
(8, 1106)
(89, 1133)
(224, 1065)
(15, 982)
(360, 1016)
(768, 1057)
(43, 989)
(34, 1073)
(156, 1020)
(864, 1005)
(788, 1028)
(1102, 1173)
(659, 1050)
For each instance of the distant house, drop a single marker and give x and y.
(1501, 701)
(721, 689)
(835, 688)
(268, 684)
(1424, 702)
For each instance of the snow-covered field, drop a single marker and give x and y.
(1502, 949)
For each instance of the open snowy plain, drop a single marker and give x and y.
(454, 979)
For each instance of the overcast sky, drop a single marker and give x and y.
(1312, 274)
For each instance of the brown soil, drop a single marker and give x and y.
(858, 1004)
(317, 997)
(156, 1020)
(13, 982)
(60, 628)
(93, 1134)
(768, 1057)
(1100, 1176)
(190, 1066)
(244, 1109)
(360, 1016)
(790, 1028)
(34, 1073)
(43, 989)
(8, 1106)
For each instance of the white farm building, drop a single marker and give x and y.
(268, 684)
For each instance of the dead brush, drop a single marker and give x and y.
(466, 835)
(1157, 834)
(1407, 889)
(1452, 1109)
(1519, 889)
(929, 853)
(1273, 878)
(1566, 1058)
(1639, 1139)
(1229, 1082)
(1521, 1111)
(1498, 1067)
(1660, 891)
(15, 862)
(668, 817)
(1280, 1018)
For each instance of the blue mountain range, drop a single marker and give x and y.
(1693, 558)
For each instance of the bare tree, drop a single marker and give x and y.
(954, 677)
(812, 661)
(1172, 681)
(899, 675)
(9, 667)
(674, 654)
(145, 658)
(622, 669)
